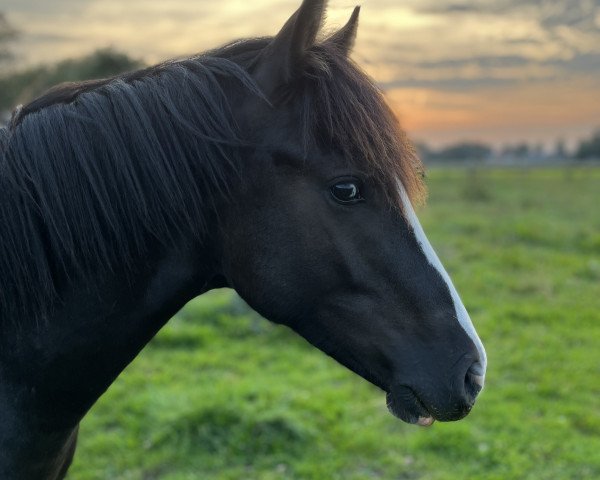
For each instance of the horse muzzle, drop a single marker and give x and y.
(447, 400)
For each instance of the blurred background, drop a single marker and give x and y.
(502, 98)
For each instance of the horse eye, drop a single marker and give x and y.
(346, 192)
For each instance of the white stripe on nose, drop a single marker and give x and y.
(478, 369)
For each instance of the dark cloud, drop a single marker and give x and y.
(48, 6)
(449, 8)
(551, 13)
(454, 8)
(584, 63)
(49, 37)
(551, 40)
(449, 76)
(491, 61)
(447, 84)
(569, 7)
(577, 14)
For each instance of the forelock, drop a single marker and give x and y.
(343, 105)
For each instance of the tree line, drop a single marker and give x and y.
(23, 85)
(588, 148)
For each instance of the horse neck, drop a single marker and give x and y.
(60, 368)
(35, 455)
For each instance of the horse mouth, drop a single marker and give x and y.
(403, 403)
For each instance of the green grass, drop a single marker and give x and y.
(222, 394)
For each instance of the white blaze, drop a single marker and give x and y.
(461, 312)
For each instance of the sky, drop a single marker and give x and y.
(499, 71)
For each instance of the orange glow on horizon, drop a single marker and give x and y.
(493, 115)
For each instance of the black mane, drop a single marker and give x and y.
(90, 170)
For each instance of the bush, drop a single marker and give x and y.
(589, 148)
(24, 86)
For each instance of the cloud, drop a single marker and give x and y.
(442, 49)
(475, 44)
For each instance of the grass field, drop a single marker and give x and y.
(222, 394)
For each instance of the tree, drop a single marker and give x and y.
(560, 149)
(521, 150)
(465, 151)
(589, 148)
(24, 85)
(7, 35)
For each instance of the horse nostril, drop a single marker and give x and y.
(477, 369)
(473, 382)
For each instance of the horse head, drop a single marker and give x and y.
(322, 235)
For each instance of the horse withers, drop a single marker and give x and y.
(271, 166)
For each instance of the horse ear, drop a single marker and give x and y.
(283, 58)
(344, 38)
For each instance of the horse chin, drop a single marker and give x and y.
(404, 404)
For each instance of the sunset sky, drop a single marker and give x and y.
(502, 71)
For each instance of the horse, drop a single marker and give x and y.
(272, 166)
